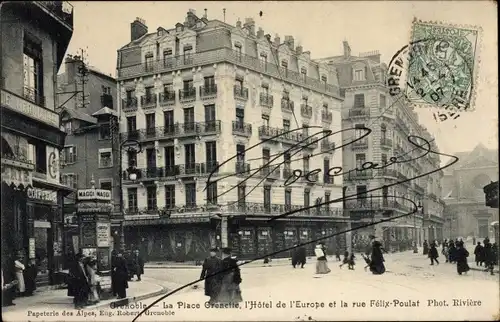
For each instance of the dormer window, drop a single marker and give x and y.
(303, 72)
(284, 64)
(148, 63)
(359, 75)
(263, 59)
(237, 46)
(324, 79)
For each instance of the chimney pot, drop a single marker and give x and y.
(205, 16)
(347, 49)
(238, 23)
(138, 29)
(277, 40)
(260, 33)
(290, 42)
(299, 50)
(250, 25)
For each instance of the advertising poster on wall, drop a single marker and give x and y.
(103, 231)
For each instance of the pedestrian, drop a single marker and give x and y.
(91, 269)
(433, 254)
(114, 254)
(79, 286)
(351, 262)
(138, 264)
(210, 272)
(8, 287)
(426, 247)
(230, 275)
(473, 240)
(321, 265)
(377, 259)
(294, 255)
(121, 276)
(301, 256)
(488, 256)
(452, 252)
(129, 260)
(494, 248)
(345, 260)
(444, 251)
(461, 258)
(478, 253)
(19, 269)
(30, 274)
(337, 254)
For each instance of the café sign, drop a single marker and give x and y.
(22, 106)
(42, 194)
(94, 194)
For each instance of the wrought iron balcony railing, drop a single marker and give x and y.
(242, 129)
(176, 130)
(306, 111)
(326, 116)
(266, 100)
(188, 94)
(327, 146)
(359, 112)
(129, 104)
(241, 92)
(167, 98)
(386, 142)
(209, 91)
(232, 56)
(270, 171)
(361, 144)
(61, 9)
(255, 208)
(17, 161)
(359, 174)
(284, 136)
(242, 168)
(390, 173)
(148, 101)
(287, 105)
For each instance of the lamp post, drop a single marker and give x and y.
(420, 207)
(132, 175)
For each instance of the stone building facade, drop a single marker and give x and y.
(206, 97)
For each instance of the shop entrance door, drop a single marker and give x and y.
(43, 244)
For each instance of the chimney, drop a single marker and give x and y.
(205, 15)
(277, 40)
(138, 29)
(289, 41)
(238, 23)
(347, 49)
(191, 18)
(250, 25)
(71, 68)
(260, 33)
(299, 50)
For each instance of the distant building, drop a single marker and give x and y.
(491, 194)
(466, 211)
(88, 111)
(202, 92)
(368, 104)
(34, 39)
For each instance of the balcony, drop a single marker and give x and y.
(266, 100)
(418, 189)
(283, 136)
(287, 172)
(386, 143)
(242, 129)
(359, 112)
(167, 98)
(33, 96)
(327, 146)
(129, 104)
(196, 169)
(328, 179)
(360, 144)
(107, 101)
(287, 105)
(270, 171)
(326, 116)
(228, 55)
(242, 168)
(359, 175)
(255, 208)
(387, 173)
(306, 111)
(208, 92)
(241, 93)
(148, 101)
(62, 10)
(154, 173)
(311, 178)
(187, 95)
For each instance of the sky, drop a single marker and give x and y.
(100, 28)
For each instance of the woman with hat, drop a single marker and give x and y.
(377, 258)
(461, 255)
(321, 265)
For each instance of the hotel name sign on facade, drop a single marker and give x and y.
(29, 109)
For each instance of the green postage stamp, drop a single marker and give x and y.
(443, 66)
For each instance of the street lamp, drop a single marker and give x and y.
(420, 208)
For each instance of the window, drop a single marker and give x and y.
(189, 124)
(151, 196)
(361, 193)
(327, 200)
(265, 119)
(307, 199)
(187, 84)
(167, 58)
(40, 158)
(267, 199)
(150, 122)
(265, 90)
(105, 158)
(305, 164)
(359, 75)
(132, 199)
(326, 167)
(263, 60)
(188, 54)
(70, 180)
(382, 101)
(210, 117)
(67, 127)
(211, 155)
(190, 195)
(266, 155)
(106, 90)
(325, 107)
(148, 91)
(237, 47)
(305, 131)
(240, 117)
(212, 193)
(384, 159)
(148, 64)
(303, 72)
(288, 199)
(106, 184)
(383, 132)
(168, 89)
(286, 125)
(169, 160)
(104, 131)
(241, 195)
(360, 160)
(359, 100)
(209, 81)
(130, 94)
(69, 154)
(324, 79)
(189, 155)
(304, 100)
(170, 196)
(151, 159)
(359, 130)
(32, 71)
(168, 122)
(239, 83)
(284, 65)
(131, 124)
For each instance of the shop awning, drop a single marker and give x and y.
(65, 190)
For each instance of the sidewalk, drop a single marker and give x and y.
(58, 299)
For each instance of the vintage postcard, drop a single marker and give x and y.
(249, 161)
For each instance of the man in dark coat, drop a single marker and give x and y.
(114, 254)
(78, 285)
(30, 273)
(478, 252)
(301, 256)
(426, 247)
(377, 259)
(210, 272)
(489, 259)
(433, 254)
(138, 264)
(9, 281)
(294, 255)
(121, 276)
(129, 260)
(452, 250)
(230, 291)
(461, 255)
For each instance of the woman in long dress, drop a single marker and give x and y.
(377, 259)
(321, 265)
(19, 267)
(461, 255)
(93, 280)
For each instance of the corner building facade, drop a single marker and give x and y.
(204, 97)
(35, 36)
(368, 104)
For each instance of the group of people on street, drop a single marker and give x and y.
(486, 254)
(18, 278)
(222, 278)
